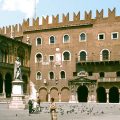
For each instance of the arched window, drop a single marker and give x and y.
(82, 37)
(66, 56)
(105, 55)
(38, 41)
(38, 57)
(39, 76)
(62, 75)
(83, 56)
(52, 40)
(51, 75)
(66, 38)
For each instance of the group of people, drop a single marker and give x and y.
(38, 107)
(32, 107)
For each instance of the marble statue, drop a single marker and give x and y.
(17, 69)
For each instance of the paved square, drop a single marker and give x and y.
(66, 111)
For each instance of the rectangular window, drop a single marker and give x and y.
(114, 35)
(90, 73)
(51, 58)
(101, 36)
(74, 74)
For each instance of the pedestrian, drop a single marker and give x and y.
(38, 103)
(30, 105)
(53, 110)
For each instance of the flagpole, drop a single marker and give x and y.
(35, 10)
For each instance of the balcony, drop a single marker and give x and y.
(109, 79)
(115, 61)
(11, 66)
(6, 65)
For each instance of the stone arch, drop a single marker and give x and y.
(65, 94)
(1, 83)
(82, 36)
(82, 93)
(66, 55)
(54, 93)
(105, 54)
(38, 41)
(8, 85)
(101, 95)
(25, 80)
(52, 39)
(38, 57)
(66, 38)
(82, 55)
(43, 94)
(113, 95)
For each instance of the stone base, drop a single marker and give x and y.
(17, 102)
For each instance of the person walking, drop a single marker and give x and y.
(38, 104)
(30, 105)
(53, 110)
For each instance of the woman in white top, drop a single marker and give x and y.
(53, 110)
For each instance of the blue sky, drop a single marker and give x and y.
(14, 11)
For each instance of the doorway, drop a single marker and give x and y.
(101, 95)
(82, 93)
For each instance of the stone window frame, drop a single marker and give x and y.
(36, 58)
(54, 39)
(101, 55)
(68, 39)
(53, 75)
(69, 55)
(60, 75)
(37, 42)
(114, 33)
(53, 58)
(101, 34)
(79, 55)
(80, 37)
(37, 75)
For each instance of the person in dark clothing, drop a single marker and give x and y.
(30, 104)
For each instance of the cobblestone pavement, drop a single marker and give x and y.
(65, 111)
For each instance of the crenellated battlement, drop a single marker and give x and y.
(47, 23)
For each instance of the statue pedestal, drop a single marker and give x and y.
(17, 101)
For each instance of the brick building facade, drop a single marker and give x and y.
(73, 60)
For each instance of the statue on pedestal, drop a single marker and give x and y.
(17, 101)
(17, 69)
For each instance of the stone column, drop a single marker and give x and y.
(72, 96)
(76, 97)
(93, 96)
(89, 93)
(107, 92)
(4, 93)
(119, 95)
(49, 97)
(59, 95)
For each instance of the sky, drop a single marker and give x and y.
(14, 11)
